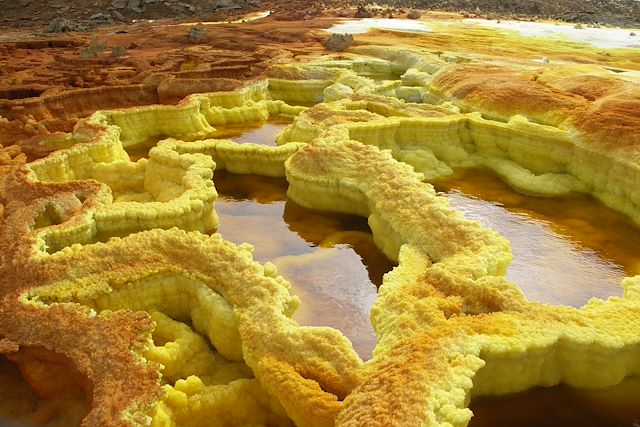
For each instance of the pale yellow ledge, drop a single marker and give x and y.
(543, 159)
(242, 307)
(173, 186)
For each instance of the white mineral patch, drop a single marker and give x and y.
(359, 26)
(598, 37)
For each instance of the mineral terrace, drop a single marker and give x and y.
(142, 281)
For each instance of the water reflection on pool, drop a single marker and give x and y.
(329, 258)
(565, 250)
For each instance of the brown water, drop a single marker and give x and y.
(141, 151)
(562, 406)
(257, 133)
(329, 258)
(565, 250)
(263, 133)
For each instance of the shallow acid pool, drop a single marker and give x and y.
(330, 259)
(263, 133)
(562, 406)
(258, 133)
(565, 250)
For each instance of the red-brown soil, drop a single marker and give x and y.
(47, 84)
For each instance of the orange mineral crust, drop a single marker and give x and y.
(180, 242)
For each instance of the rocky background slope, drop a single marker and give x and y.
(65, 15)
(614, 12)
